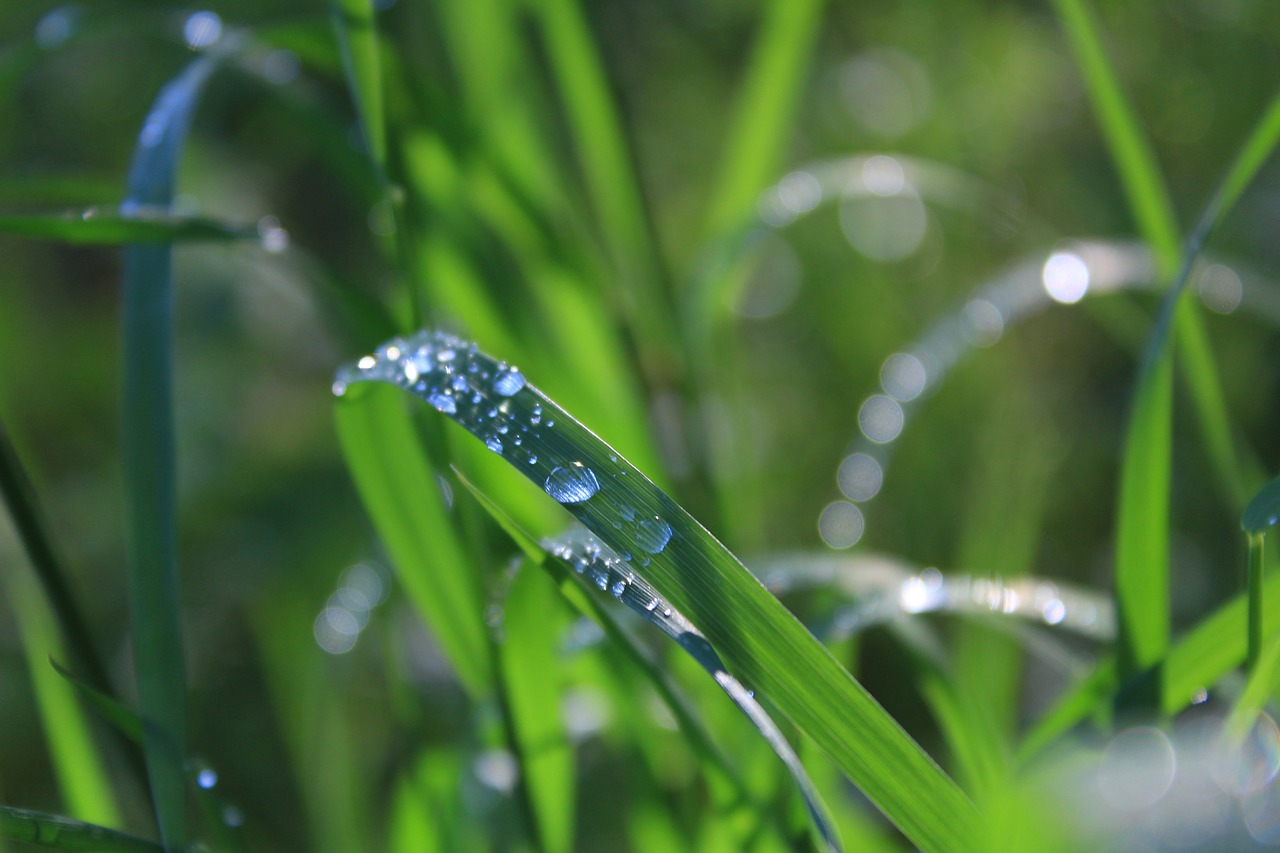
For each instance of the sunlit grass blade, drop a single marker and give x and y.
(604, 153)
(61, 833)
(403, 498)
(532, 625)
(761, 641)
(763, 122)
(150, 469)
(574, 559)
(94, 227)
(1135, 161)
(87, 792)
(576, 592)
(1142, 526)
(1259, 516)
(1258, 690)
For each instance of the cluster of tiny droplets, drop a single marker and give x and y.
(594, 560)
(454, 377)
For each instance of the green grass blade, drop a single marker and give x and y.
(760, 639)
(61, 833)
(1135, 161)
(356, 24)
(20, 501)
(121, 717)
(82, 779)
(532, 626)
(575, 558)
(766, 105)
(402, 496)
(604, 153)
(150, 469)
(575, 591)
(1142, 535)
(1142, 570)
(1258, 690)
(93, 227)
(1255, 593)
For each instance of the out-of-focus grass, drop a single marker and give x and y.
(576, 187)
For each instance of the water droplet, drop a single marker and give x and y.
(202, 29)
(653, 534)
(618, 588)
(459, 383)
(651, 604)
(572, 484)
(493, 443)
(367, 363)
(533, 459)
(207, 779)
(509, 383)
(339, 388)
(446, 355)
(627, 513)
(443, 403)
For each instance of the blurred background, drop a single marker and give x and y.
(934, 150)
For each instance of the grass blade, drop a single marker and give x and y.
(1135, 161)
(49, 830)
(605, 155)
(92, 227)
(82, 779)
(763, 121)
(149, 453)
(20, 501)
(686, 565)
(580, 558)
(532, 624)
(399, 490)
(356, 24)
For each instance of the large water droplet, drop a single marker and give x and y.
(509, 382)
(493, 443)
(572, 484)
(443, 403)
(652, 535)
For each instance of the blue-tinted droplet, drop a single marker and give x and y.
(493, 443)
(652, 535)
(572, 484)
(509, 383)
(443, 403)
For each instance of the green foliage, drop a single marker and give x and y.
(701, 232)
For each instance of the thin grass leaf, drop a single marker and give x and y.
(604, 153)
(763, 120)
(688, 567)
(94, 227)
(592, 560)
(402, 496)
(1142, 515)
(63, 833)
(148, 450)
(577, 593)
(532, 625)
(355, 22)
(1258, 690)
(120, 716)
(83, 781)
(20, 501)
(1135, 161)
